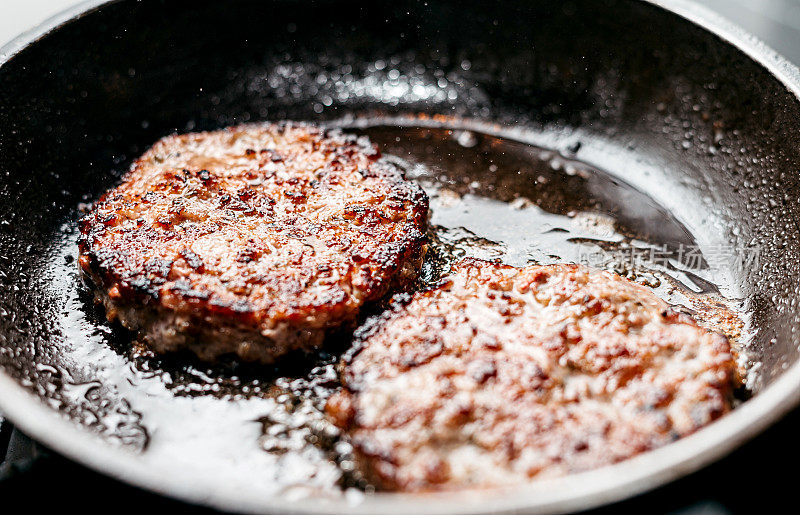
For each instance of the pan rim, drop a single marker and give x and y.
(578, 491)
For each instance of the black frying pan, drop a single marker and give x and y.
(690, 128)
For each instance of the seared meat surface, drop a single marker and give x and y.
(503, 374)
(254, 240)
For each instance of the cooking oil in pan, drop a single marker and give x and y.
(263, 428)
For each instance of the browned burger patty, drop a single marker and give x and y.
(253, 240)
(503, 374)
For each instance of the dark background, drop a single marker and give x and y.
(758, 476)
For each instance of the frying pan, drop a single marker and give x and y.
(661, 94)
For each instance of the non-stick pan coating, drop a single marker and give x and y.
(669, 107)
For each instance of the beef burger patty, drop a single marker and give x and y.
(254, 240)
(504, 374)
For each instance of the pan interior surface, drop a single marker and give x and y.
(637, 133)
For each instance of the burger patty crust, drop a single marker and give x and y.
(503, 374)
(254, 240)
